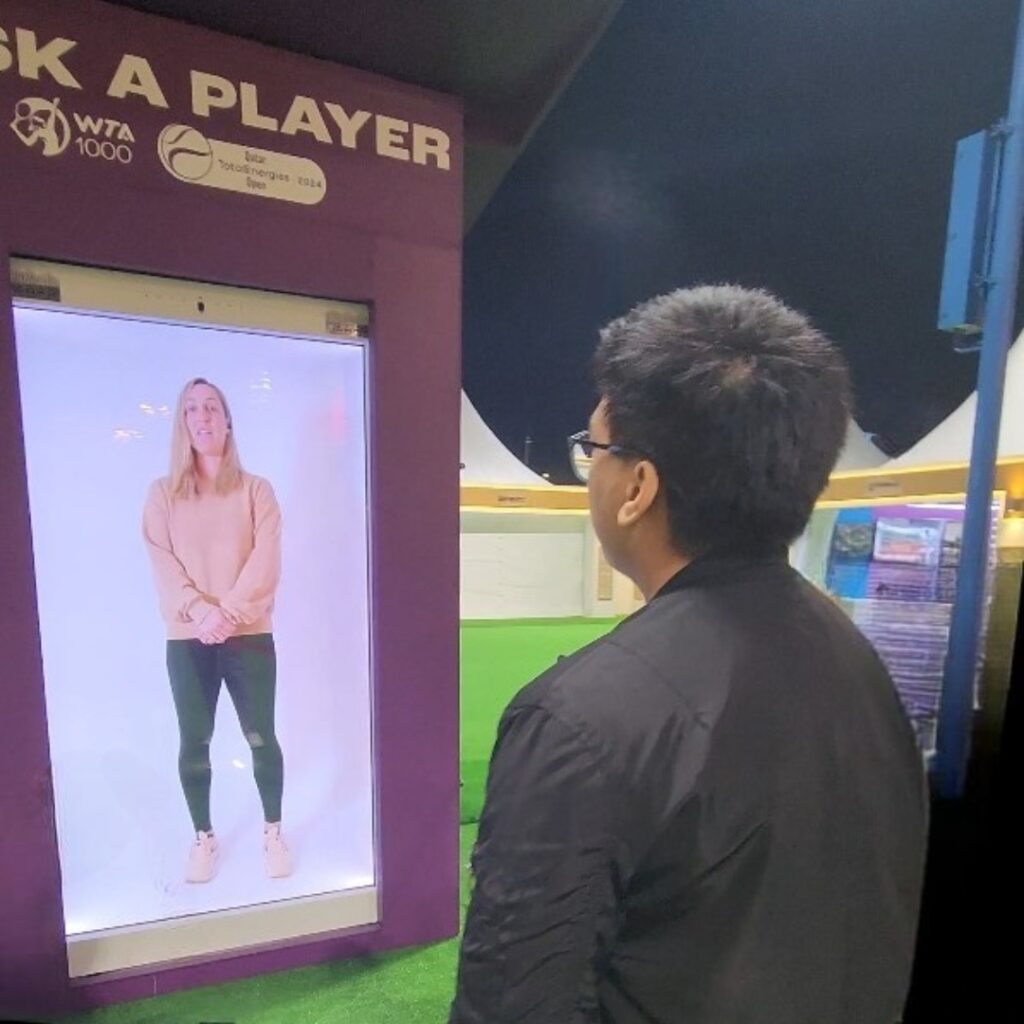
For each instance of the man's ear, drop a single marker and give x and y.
(642, 490)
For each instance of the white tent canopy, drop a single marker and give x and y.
(859, 452)
(485, 459)
(951, 440)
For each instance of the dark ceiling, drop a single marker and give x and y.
(803, 146)
(507, 59)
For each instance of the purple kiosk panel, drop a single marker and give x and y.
(133, 143)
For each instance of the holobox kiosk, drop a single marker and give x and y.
(182, 205)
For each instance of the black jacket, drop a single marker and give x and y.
(714, 815)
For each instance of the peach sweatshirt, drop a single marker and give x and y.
(216, 549)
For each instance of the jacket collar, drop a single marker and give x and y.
(715, 566)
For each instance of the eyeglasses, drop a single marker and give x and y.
(581, 453)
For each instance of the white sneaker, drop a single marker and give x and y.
(276, 855)
(202, 858)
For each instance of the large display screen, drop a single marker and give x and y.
(197, 476)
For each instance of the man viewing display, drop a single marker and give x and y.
(717, 812)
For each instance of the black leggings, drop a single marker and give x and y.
(247, 665)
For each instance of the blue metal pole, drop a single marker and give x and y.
(956, 711)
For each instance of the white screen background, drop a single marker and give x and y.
(98, 395)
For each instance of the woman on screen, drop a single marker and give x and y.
(214, 537)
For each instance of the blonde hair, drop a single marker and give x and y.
(184, 479)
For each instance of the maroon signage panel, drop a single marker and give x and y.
(133, 143)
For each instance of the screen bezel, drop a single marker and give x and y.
(130, 295)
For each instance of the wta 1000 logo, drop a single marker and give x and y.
(43, 126)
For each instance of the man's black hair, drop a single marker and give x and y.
(739, 401)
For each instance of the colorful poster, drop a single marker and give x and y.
(908, 541)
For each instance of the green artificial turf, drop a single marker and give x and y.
(410, 986)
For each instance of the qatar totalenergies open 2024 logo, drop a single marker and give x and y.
(185, 152)
(43, 126)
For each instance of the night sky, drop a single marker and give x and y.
(804, 146)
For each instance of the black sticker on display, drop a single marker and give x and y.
(35, 287)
